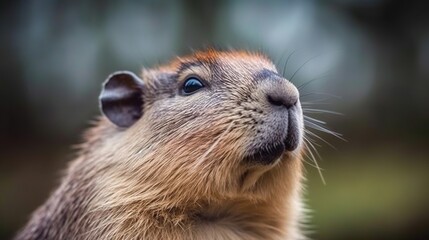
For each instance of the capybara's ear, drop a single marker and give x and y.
(121, 99)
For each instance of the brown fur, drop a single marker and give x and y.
(176, 173)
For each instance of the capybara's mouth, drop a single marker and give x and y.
(292, 139)
(266, 154)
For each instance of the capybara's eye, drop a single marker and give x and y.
(192, 85)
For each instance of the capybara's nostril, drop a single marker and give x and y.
(279, 92)
(283, 94)
(287, 101)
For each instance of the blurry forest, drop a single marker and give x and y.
(370, 59)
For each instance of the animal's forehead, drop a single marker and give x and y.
(210, 63)
(232, 62)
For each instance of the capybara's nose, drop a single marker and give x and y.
(286, 96)
(280, 92)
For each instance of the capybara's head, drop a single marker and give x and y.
(204, 128)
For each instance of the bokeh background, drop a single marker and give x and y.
(370, 59)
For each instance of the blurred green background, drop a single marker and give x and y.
(371, 58)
